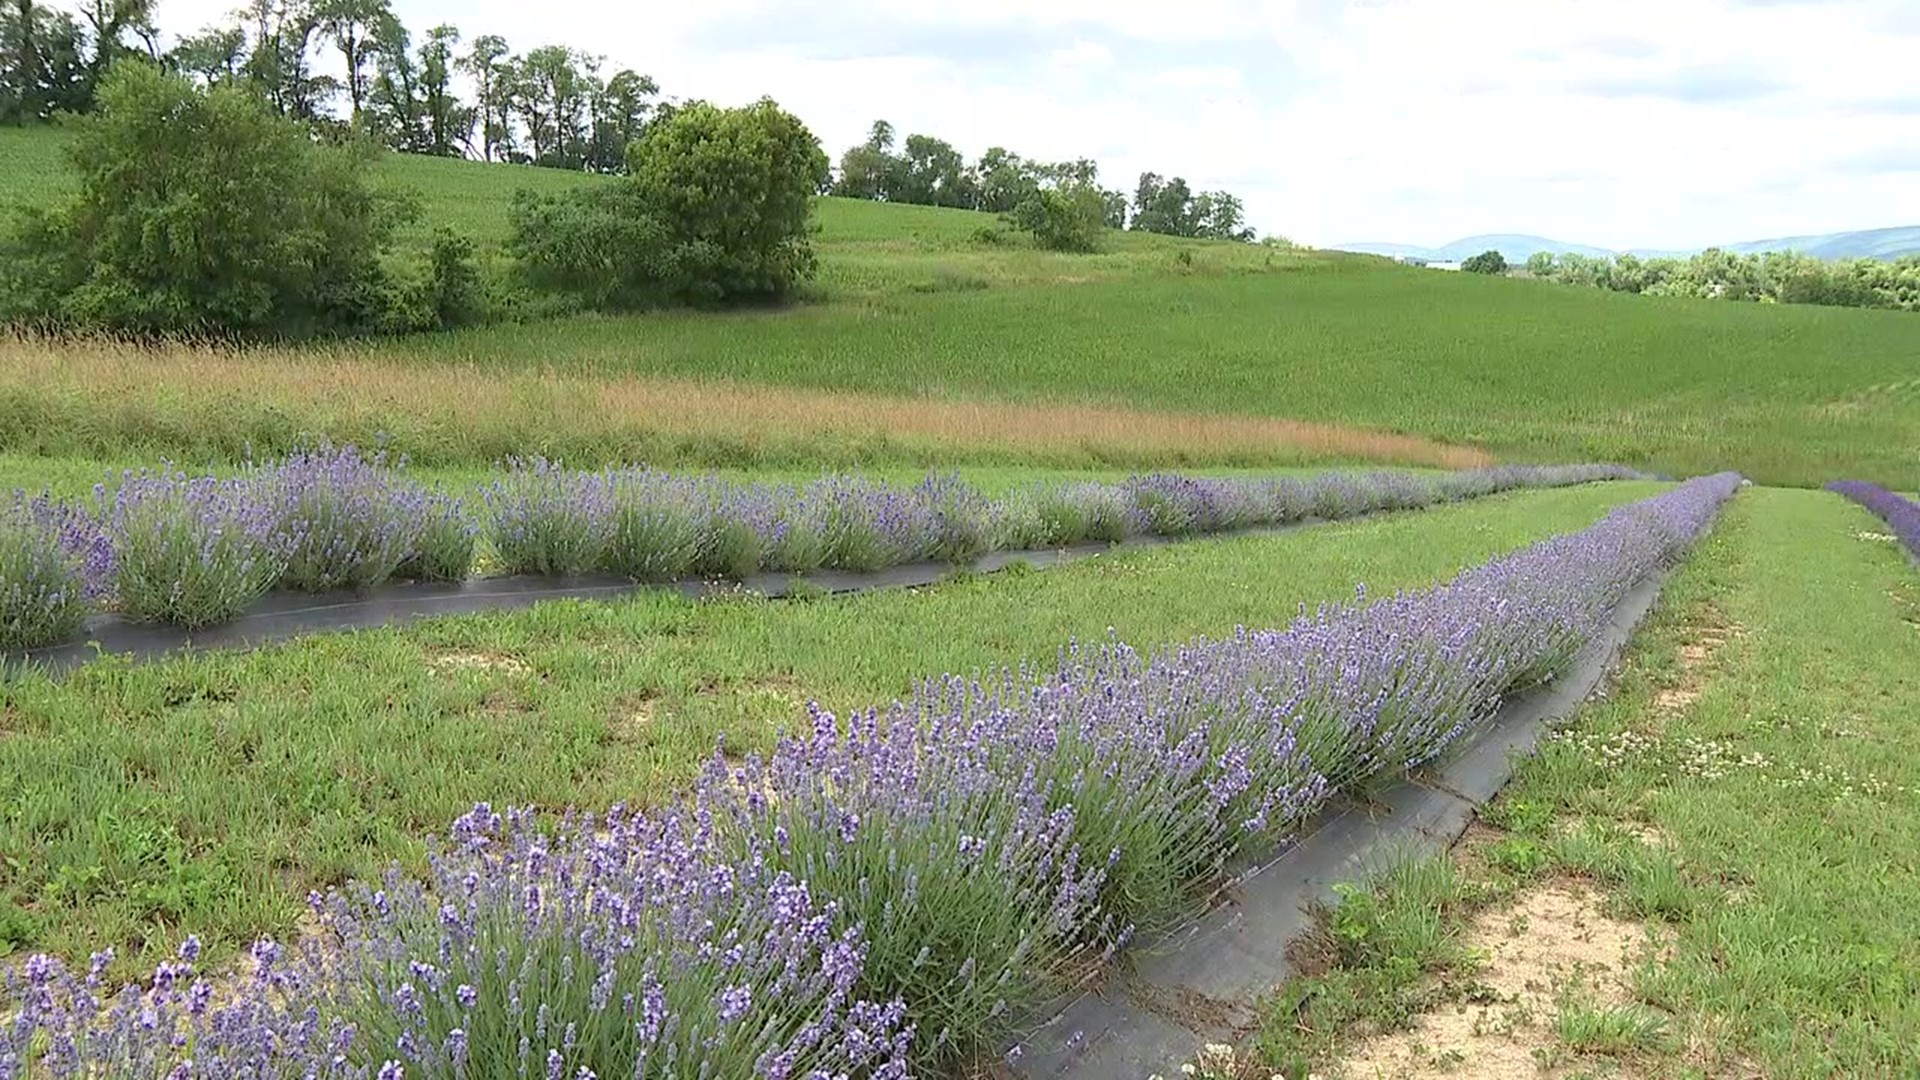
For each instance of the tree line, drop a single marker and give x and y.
(1779, 277)
(926, 171)
(554, 105)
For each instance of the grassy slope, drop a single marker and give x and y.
(209, 794)
(911, 303)
(1779, 773)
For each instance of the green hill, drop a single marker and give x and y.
(925, 303)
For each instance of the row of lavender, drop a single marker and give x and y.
(167, 547)
(1901, 514)
(885, 895)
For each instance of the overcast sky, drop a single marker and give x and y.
(1622, 123)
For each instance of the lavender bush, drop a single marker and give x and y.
(354, 521)
(53, 565)
(656, 527)
(880, 895)
(192, 550)
(1902, 515)
(443, 551)
(546, 520)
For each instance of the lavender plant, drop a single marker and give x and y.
(619, 946)
(53, 565)
(354, 522)
(1902, 515)
(735, 529)
(191, 550)
(443, 551)
(656, 527)
(546, 520)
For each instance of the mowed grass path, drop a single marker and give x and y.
(913, 306)
(210, 794)
(1749, 792)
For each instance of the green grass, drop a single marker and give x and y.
(910, 303)
(208, 794)
(1749, 788)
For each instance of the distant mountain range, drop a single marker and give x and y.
(1865, 244)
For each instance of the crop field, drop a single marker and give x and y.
(868, 834)
(951, 336)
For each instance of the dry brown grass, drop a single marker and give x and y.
(110, 400)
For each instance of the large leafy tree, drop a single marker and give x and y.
(203, 212)
(353, 26)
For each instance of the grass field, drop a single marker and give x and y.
(913, 309)
(1739, 810)
(209, 794)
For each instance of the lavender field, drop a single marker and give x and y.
(817, 911)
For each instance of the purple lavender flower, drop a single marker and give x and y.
(1902, 515)
(191, 551)
(53, 565)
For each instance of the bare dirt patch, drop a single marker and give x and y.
(1553, 943)
(453, 662)
(1695, 654)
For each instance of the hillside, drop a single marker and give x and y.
(913, 304)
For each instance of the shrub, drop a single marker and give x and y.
(546, 520)
(51, 563)
(603, 244)
(192, 551)
(1070, 217)
(352, 521)
(444, 549)
(735, 527)
(656, 526)
(734, 189)
(881, 897)
(203, 212)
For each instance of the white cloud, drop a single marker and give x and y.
(1646, 123)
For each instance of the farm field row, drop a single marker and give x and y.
(1707, 873)
(208, 794)
(197, 551)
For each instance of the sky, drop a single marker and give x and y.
(1618, 123)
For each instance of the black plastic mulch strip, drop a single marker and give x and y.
(283, 615)
(1203, 982)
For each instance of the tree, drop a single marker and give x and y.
(394, 111)
(1063, 217)
(43, 63)
(714, 209)
(1487, 262)
(1002, 180)
(735, 187)
(488, 64)
(870, 170)
(1164, 206)
(1219, 216)
(353, 27)
(447, 121)
(214, 56)
(278, 61)
(202, 212)
(553, 91)
(618, 113)
(932, 174)
(1540, 264)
